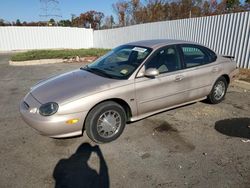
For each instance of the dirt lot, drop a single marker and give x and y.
(199, 145)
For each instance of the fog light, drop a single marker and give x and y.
(72, 121)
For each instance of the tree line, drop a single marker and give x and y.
(89, 19)
(130, 12)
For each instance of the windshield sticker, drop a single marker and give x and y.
(138, 49)
(124, 71)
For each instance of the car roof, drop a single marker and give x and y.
(157, 43)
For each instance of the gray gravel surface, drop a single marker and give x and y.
(198, 145)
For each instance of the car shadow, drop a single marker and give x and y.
(236, 127)
(75, 171)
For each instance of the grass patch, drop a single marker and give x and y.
(58, 54)
(244, 75)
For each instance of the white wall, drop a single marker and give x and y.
(24, 38)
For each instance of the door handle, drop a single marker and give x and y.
(179, 78)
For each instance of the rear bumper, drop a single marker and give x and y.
(53, 126)
(233, 75)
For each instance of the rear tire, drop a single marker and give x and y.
(105, 122)
(218, 91)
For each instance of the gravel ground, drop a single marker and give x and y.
(198, 145)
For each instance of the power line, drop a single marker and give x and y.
(50, 9)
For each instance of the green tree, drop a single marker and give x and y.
(112, 20)
(2, 22)
(64, 23)
(233, 6)
(18, 23)
(232, 3)
(52, 22)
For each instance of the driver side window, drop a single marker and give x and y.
(166, 60)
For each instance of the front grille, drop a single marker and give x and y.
(26, 105)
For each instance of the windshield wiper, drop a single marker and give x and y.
(96, 71)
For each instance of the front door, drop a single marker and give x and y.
(167, 89)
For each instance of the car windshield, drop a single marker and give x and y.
(119, 63)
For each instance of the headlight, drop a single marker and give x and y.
(48, 109)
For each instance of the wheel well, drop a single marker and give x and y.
(125, 106)
(227, 78)
(121, 102)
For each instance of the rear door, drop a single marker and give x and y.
(201, 69)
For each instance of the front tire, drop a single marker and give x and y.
(105, 122)
(218, 91)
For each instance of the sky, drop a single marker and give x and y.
(29, 10)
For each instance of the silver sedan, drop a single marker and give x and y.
(129, 83)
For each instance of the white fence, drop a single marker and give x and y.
(25, 38)
(226, 34)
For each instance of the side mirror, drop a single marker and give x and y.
(151, 73)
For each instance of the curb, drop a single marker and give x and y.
(35, 62)
(242, 84)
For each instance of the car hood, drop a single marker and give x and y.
(71, 86)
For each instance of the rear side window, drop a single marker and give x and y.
(194, 56)
(212, 55)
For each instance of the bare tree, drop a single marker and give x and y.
(121, 8)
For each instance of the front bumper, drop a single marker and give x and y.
(53, 126)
